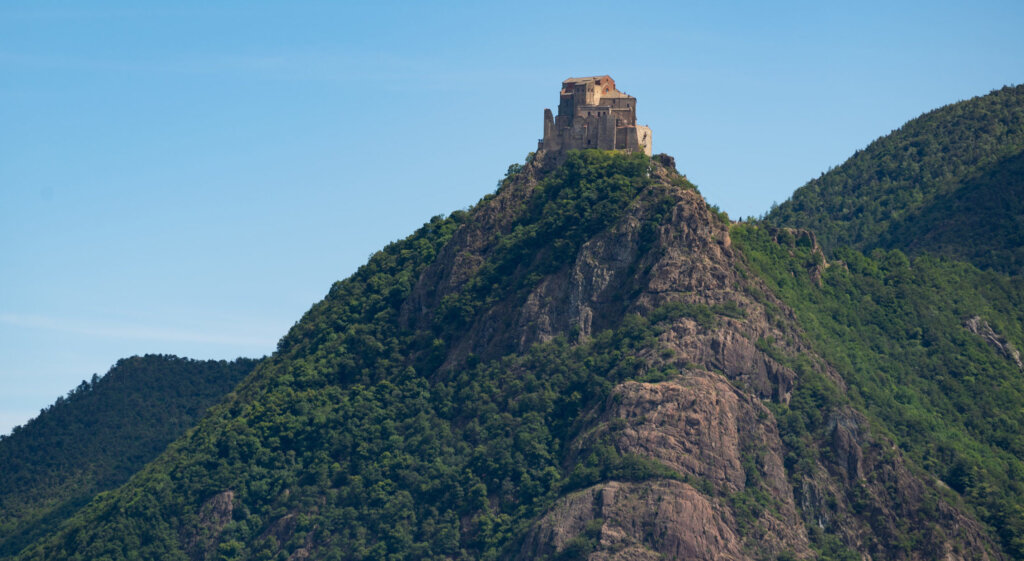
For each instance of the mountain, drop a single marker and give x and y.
(592, 363)
(104, 431)
(949, 182)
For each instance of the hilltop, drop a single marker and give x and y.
(947, 182)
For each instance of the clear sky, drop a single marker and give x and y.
(190, 177)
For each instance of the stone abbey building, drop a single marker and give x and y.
(593, 114)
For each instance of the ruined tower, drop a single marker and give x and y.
(593, 114)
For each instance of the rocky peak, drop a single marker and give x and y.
(664, 243)
(665, 252)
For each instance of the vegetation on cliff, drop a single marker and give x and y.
(896, 330)
(100, 434)
(928, 345)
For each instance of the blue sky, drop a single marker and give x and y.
(189, 178)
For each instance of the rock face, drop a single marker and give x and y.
(981, 328)
(636, 521)
(735, 497)
(201, 541)
(709, 432)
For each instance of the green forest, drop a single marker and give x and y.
(99, 435)
(947, 182)
(894, 328)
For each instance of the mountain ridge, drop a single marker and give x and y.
(905, 184)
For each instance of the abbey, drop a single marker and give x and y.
(593, 114)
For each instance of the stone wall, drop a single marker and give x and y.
(592, 113)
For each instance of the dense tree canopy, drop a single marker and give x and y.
(948, 181)
(100, 434)
(895, 329)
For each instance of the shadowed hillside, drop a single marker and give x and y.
(948, 181)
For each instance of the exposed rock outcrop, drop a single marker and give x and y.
(661, 519)
(200, 541)
(704, 428)
(981, 328)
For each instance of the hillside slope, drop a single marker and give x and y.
(930, 351)
(949, 181)
(580, 367)
(981, 222)
(104, 431)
